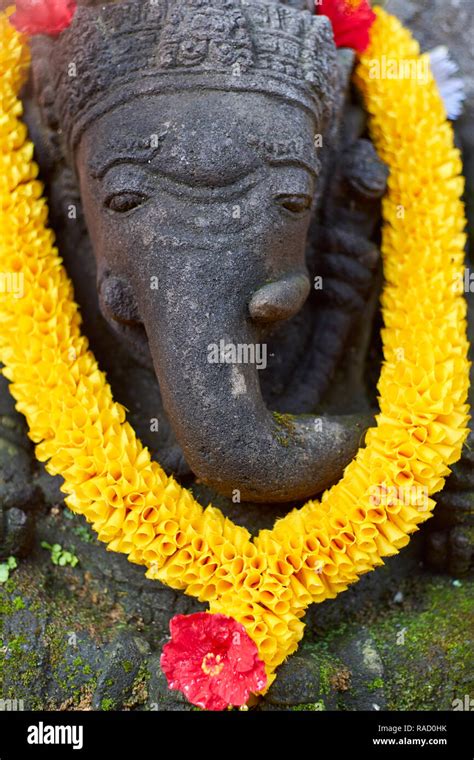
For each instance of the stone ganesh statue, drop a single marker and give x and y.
(216, 200)
(198, 215)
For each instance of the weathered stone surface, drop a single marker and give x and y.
(160, 697)
(20, 497)
(360, 655)
(298, 682)
(121, 664)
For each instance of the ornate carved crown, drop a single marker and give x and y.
(119, 51)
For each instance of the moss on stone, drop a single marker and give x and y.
(19, 665)
(327, 670)
(428, 654)
(312, 707)
(433, 665)
(140, 688)
(285, 427)
(18, 603)
(377, 683)
(48, 664)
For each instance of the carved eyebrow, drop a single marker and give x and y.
(142, 152)
(100, 162)
(287, 152)
(105, 159)
(312, 167)
(99, 167)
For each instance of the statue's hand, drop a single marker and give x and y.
(449, 543)
(343, 259)
(347, 264)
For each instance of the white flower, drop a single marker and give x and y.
(451, 87)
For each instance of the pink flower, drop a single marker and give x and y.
(351, 21)
(212, 660)
(43, 16)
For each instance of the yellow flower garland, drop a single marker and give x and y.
(317, 551)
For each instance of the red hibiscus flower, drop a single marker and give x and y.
(212, 660)
(351, 21)
(43, 16)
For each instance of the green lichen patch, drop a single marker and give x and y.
(429, 654)
(285, 428)
(377, 683)
(425, 649)
(51, 639)
(312, 707)
(140, 688)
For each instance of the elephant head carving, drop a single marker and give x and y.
(200, 134)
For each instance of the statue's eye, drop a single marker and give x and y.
(123, 202)
(297, 204)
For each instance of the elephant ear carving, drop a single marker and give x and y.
(44, 127)
(40, 105)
